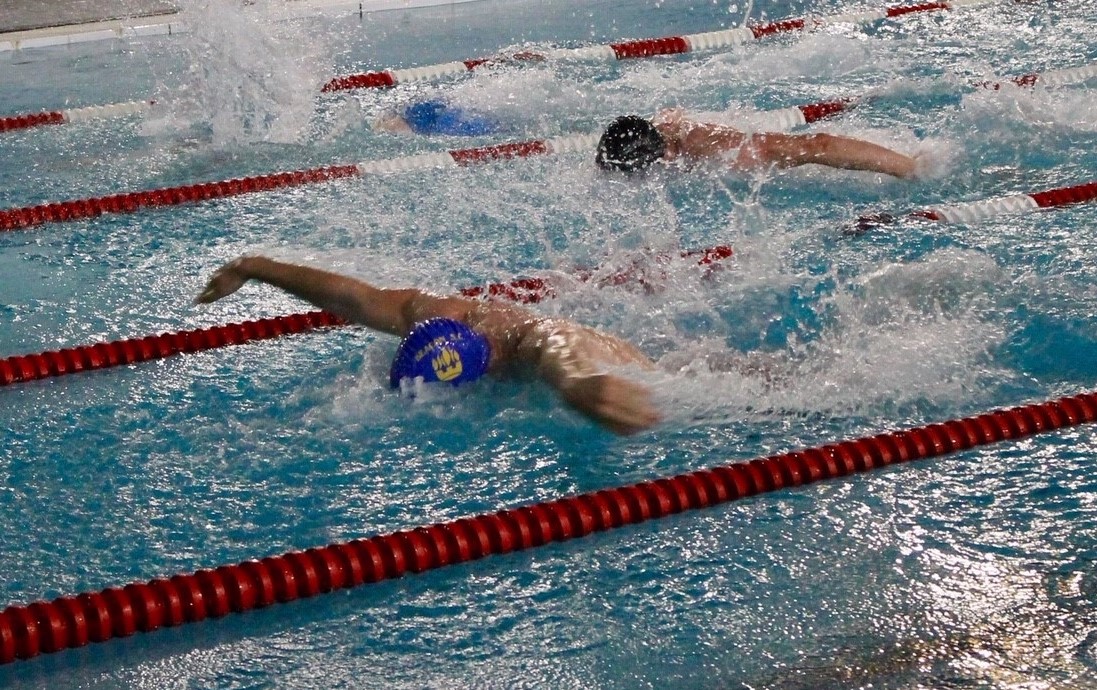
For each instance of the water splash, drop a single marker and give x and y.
(249, 77)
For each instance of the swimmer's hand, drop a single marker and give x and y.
(622, 406)
(225, 281)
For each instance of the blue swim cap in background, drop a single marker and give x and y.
(436, 117)
(421, 117)
(441, 350)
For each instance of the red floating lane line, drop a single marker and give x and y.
(25, 368)
(1062, 196)
(818, 111)
(1066, 195)
(1024, 81)
(501, 151)
(898, 11)
(927, 214)
(643, 48)
(72, 621)
(521, 56)
(129, 202)
(367, 80)
(779, 27)
(31, 120)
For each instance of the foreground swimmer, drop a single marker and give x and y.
(632, 143)
(456, 339)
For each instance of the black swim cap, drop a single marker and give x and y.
(630, 143)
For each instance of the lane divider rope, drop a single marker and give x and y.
(1050, 78)
(641, 48)
(972, 211)
(33, 367)
(1053, 77)
(44, 627)
(61, 117)
(621, 50)
(130, 202)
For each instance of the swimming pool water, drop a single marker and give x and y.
(974, 570)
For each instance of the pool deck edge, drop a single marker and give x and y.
(19, 28)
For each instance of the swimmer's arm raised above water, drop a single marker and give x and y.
(392, 311)
(706, 140)
(836, 151)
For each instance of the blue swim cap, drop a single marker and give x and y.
(441, 350)
(437, 117)
(423, 116)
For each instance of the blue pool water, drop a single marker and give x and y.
(977, 570)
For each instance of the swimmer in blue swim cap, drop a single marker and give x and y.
(440, 350)
(455, 339)
(632, 143)
(438, 117)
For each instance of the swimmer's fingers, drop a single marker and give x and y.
(225, 281)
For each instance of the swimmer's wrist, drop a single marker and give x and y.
(248, 266)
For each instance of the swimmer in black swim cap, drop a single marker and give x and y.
(629, 144)
(632, 143)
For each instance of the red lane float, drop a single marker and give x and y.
(640, 48)
(130, 202)
(31, 120)
(22, 368)
(973, 211)
(60, 117)
(33, 367)
(73, 621)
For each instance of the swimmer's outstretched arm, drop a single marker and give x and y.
(836, 151)
(392, 311)
(706, 140)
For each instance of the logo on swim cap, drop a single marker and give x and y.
(442, 350)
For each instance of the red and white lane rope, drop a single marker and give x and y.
(973, 211)
(614, 51)
(60, 117)
(642, 48)
(130, 202)
(67, 622)
(1053, 77)
(73, 360)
